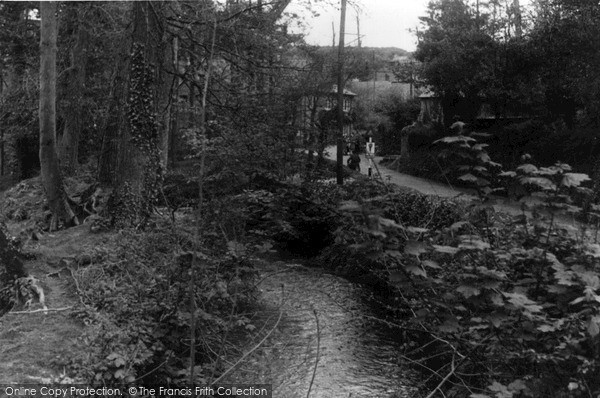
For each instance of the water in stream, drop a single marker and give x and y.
(357, 356)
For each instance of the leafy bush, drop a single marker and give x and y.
(466, 160)
(138, 300)
(401, 113)
(496, 306)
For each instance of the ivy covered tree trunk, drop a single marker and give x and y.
(51, 175)
(140, 171)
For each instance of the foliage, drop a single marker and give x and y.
(474, 52)
(467, 160)
(137, 299)
(457, 55)
(496, 305)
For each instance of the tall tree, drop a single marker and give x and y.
(68, 146)
(51, 175)
(139, 171)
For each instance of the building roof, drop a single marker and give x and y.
(334, 90)
(428, 94)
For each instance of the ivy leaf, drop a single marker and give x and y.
(508, 174)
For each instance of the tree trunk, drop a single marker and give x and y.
(110, 159)
(51, 176)
(12, 269)
(69, 143)
(139, 171)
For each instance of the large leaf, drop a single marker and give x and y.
(468, 177)
(491, 273)
(474, 245)
(484, 157)
(431, 264)
(574, 179)
(415, 248)
(445, 249)
(458, 225)
(501, 390)
(454, 138)
(417, 230)
(386, 222)
(350, 205)
(523, 302)
(540, 182)
(527, 168)
(416, 270)
(594, 326)
(468, 290)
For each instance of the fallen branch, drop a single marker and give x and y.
(257, 346)
(312, 380)
(444, 380)
(39, 310)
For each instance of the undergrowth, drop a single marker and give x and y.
(136, 299)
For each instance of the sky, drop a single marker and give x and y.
(383, 23)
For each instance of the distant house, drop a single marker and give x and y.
(431, 108)
(317, 108)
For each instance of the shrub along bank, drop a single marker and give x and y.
(491, 305)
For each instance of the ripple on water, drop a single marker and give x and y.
(356, 357)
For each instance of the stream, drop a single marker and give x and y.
(356, 354)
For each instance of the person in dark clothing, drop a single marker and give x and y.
(354, 161)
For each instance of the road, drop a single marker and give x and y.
(435, 188)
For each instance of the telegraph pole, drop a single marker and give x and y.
(340, 99)
(333, 32)
(358, 30)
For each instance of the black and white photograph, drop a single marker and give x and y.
(300, 198)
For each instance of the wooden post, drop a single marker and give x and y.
(340, 99)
